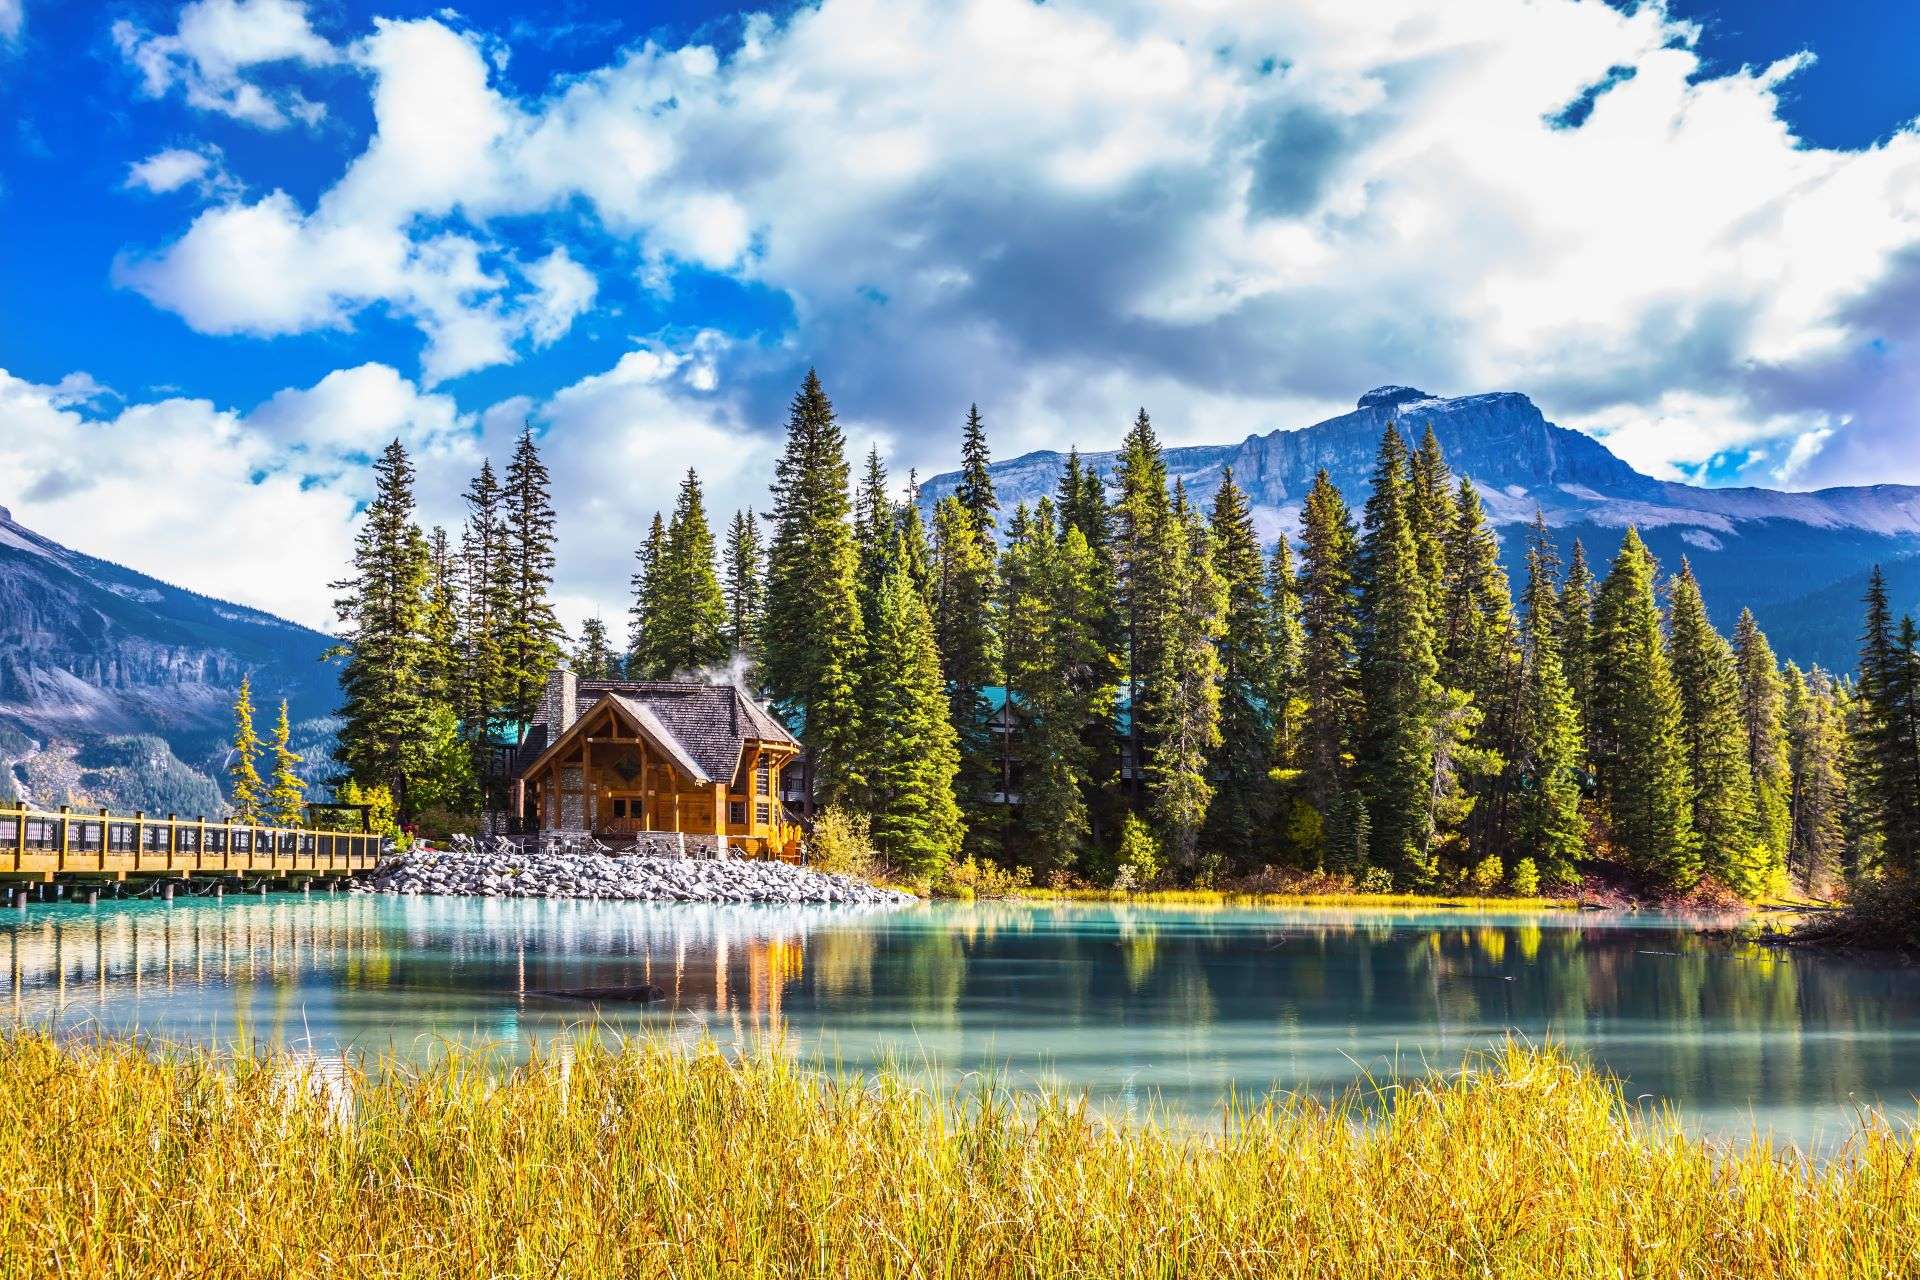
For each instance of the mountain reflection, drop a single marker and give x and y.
(1177, 1006)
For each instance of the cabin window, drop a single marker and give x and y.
(619, 807)
(736, 813)
(762, 777)
(762, 812)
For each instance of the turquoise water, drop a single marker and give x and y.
(1138, 1006)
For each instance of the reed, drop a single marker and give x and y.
(602, 1160)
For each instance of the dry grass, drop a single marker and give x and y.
(646, 1161)
(1242, 898)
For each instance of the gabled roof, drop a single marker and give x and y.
(703, 728)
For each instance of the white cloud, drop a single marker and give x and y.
(1241, 213)
(176, 167)
(213, 47)
(13, 19)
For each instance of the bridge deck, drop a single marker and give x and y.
(101, 845)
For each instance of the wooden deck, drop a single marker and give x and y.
(97, 845)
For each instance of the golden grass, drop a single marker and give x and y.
(1231, 898)
(642, 1160)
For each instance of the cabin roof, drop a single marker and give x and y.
(704, 727)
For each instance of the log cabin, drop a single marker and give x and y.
(623, 760)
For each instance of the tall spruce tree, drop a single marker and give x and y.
(1147, 545)
(1708, 679)
(813, 639)
(1480, 653)
(1286, 645)
(1763, 714)
(875, 526)
(441, 660)
(916, 549)
(687, 615)
(593, 657)
(1548, 826)
(1576, 631)
(1181, 703)
(1240, 821)
(1329, 667)
(1816, 757)
(286, 804)
(532, 635)
(1636, 740)
(246, 794)
(485, 608)
(975, 490)
(1401, 697)
(648, 585)
(916, 823)
(1431, 511)
(966, 631)
(382, 609)
(745, 567)
(1887, 748)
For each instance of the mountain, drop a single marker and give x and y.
(1799, 560)
(117, 689)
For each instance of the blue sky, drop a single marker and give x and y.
(249, 240)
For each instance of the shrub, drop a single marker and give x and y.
(841, 843)
(1375, 880)
(1137, 862)
(1525, 879)
(981, 878)
(1486, 874)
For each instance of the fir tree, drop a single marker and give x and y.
(875, 526)
(813, 639)
(916, 550)
(916, 823)
(1431, 511)
(1887, 747)
(486, 605)
(441, 661)
(648, 585)
(1329, 669)
(1180, 702)
(1147, 544)
(532, 634)
(1639, 753)
(965, 589)
(1705, 673)
(243, 771)
(1242, 765)
(1548, 827)
(382, 609)
(975, 490)
(287, 798)
(1286, 645)
(1480, 653)
(1401, 698)
(593, 657)
(1763, 713)
(687, 615)
(745, 590)
(1816, 757)
(1576, 631)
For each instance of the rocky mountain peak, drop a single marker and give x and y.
(1381, 397)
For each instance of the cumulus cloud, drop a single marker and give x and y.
(13, 19)
(215, 44)
(202, 168)
(1239, 213)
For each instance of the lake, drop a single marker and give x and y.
(1166, 1008)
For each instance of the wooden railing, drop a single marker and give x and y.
(42, 845)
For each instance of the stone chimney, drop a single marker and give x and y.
(561, 703)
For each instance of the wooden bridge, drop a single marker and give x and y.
(97, 845)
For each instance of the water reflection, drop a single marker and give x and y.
(1131, 1004)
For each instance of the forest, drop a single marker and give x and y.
(1116, 687)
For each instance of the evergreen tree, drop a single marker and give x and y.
(1348, 835)
(1763, 713)
(875, 526)
(687, 616)
(1401, 698)
(644, 655)
(1083, 502)
(975, 490)
(382, 609)
(486, 605)
(243, 771)
(1816, 757)
(1147, 546)
(1636, 741)
(916, 550)
(594, 658)
(532, 634)
(1329, 668)
(1431, 511)
(916, 824)
(1548, 827)
(1576, 631)
(1242, 812)
(1180, 705)
(1480, 652)
(1286, 646)
(1888, 736)
(813, 639)
(441, 661)
(965, 588)
(287, 799)
(745, 567)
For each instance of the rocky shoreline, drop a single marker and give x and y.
(595, 874)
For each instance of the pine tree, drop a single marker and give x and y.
(745, 589)
(1181, 703)
(593, 657)
(916, 823)
(1329, 668)
(975, 490)
(532, 634)
(1242, 811)
(243, 771)
(875, 526)
(441, 662)
(1480, 653)
(1763, 713)
(1816, 757)
(1576, 631)
(813, 640)
(965, 589)
(382, 608)
(1705, 673)
(1401, 697)
(1888, 736)
(644, 655)
(1146, 545)
(1286, 645)
(287, 800)
(1431, 512)
(486, 605)
(687, 616)
(1548, 827)
(916, 550)
(1636, 741)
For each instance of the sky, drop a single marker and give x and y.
(248, 242)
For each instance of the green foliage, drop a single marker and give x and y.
(247, 795)
(1548, 747)
(381, 816)
(1137, 860)
(1329, 668)
(745, 569)
(1253, 683)
(969, 878)
(649, 592)
(531, 637)
(1763, 716)
(286, 804)
(1888, 738)
(486, 605)
(1179, 702)
(974, 493)
(1817, 757)
(1711, 726)
(1576, 631)
(685, 622)
(841, 843)
(1524, 879)
(593, 657)
(910, 759)
(1486, 874)
(1347, 837)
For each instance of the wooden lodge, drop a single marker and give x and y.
(624, 759)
